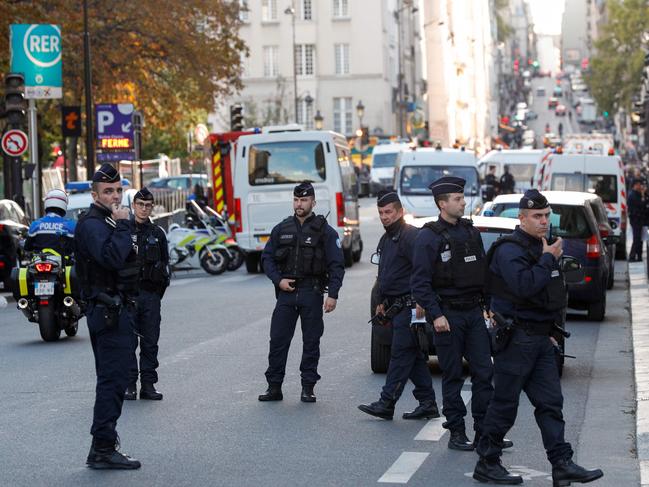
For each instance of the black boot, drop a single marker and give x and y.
(425, 410)
(459, 441)
(504, 445)
(104, 456)
(567, 471)
(381, 409)
(273, 393)
(131, 392)
(307, 394)
(494, 472)
(148, 391)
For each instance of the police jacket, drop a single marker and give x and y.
(449, 263)
(51, 232)
(637, 208)
(524, 282)
(153, 257)
(106, 259)
(309, 251)
(396, 250)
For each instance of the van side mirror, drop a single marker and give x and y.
(572, 269)
(375, 258)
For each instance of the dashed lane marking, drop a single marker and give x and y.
(404, 467)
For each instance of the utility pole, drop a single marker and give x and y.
(291, 11)
(90, 150)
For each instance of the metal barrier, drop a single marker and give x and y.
(164, 220)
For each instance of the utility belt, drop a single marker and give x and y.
(462, 302)
(112, 306)
(501, 334)
(403, 301)
(314, 282)
(534, 328)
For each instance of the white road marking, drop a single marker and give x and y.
(433, 430)
(404, 467)
(183, 282)
(3, 302)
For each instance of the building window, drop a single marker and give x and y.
(270, 62)
(305, 114)
(341, 8)
(343, 115)
(306, 9)
(342, 58)
(268, 10)
(244, 11)
(304, 61)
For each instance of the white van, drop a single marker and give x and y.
(591, 173)
(384, 158)
(417, 168)
(266, 169)
(522, 164)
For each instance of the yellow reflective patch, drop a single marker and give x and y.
(67, 289)
(22, 281)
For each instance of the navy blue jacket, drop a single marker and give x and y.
(395, 266)
(428, 249)
(333, 256)
(52, 232)
(525, 277)
(637, 208)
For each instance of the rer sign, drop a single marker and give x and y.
(36, 53)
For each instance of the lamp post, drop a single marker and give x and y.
(291, 11)
(360, 111)
(318, 119)
(90, 153)
(308, 99)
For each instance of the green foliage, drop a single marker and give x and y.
(616, 68)
(504, 29)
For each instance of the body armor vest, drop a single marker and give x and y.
(465, 269)
(150, 254)
(300, 251)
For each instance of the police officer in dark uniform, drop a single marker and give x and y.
(302, 257)
(407, 361)
(106, 262)
(636, 202)
(526, 285)
(447, 281)
(153, 257)
(507, 182)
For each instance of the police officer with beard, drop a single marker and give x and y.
(302, 257)
(153, 258)
(447, 281)
(407, 360)
(107, 265)
(527, 286)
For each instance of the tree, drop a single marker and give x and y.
(168, 58)
(616, 68)
(504, 30)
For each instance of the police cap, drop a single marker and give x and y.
(143, 194)
(386, 196)
(446, 185)
(533, 200)
(106, 174)
(304, 189)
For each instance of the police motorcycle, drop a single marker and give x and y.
(210, 222)
(45, 290)
(191, 248)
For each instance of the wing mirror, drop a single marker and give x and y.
(572, 270)
(375, 258)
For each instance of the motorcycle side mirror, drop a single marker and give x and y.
(375, 258)
(572, 269)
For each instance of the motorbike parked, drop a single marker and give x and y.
(44, 293)
(193, 249)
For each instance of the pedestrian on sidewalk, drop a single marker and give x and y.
(637, 218)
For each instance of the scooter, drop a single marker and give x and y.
(44, 293)
(192, 249)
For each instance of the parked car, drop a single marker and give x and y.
(13, 228)
(182, 182)
(557, 91)
(540, 91)
(560, 110)
(79, 197)
(553, 102)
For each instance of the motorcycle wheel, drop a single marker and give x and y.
(217, 264)
(72, 329)
(50, 331)
(236, 258)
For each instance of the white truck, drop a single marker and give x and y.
(588, 143)
(588, 112)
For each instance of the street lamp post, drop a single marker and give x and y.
(90, 153)
(308, 99)
(360, 111)
(318, 119)
(291, 11)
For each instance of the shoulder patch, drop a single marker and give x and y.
(339, 244)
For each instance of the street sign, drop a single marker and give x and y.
(14, 142)
(70, 121)
(114, 132)
(36, 53)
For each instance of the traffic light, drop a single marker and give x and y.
(14, 99)
(639, 114)
(516, 65)
(236, 118)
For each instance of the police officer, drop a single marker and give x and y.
(107, 265)
(636, 203)
(407, 360)
(153, 257)
(526, 285)
(302, 257)
(53, 231)
(447, 281)
(507, 182)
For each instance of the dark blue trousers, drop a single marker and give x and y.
(636, 246)
(306, 304)
(113, 350)
(147, 324)
(406, 362)
(467, 339)
(527, 364)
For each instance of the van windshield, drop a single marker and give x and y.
(416, 179)
(387, 159)
(286, 162)
(603, 185)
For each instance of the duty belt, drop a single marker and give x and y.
(462, 302)
(308, 282)
(405, 300)
(535, 328)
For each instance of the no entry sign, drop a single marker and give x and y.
(14, 142)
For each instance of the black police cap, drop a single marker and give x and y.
(446, 185)
(304, 189)
(386, 196)
(533, 200)
(143, 194)
(106, 174)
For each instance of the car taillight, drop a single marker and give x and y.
(44, 267)
(603, 230)
(340, 209)
(2, 264)
(238, 218)
(593, 249)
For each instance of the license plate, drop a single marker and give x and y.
(44, 289)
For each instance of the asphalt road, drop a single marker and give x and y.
(211, 430)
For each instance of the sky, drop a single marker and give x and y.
(546, 15)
